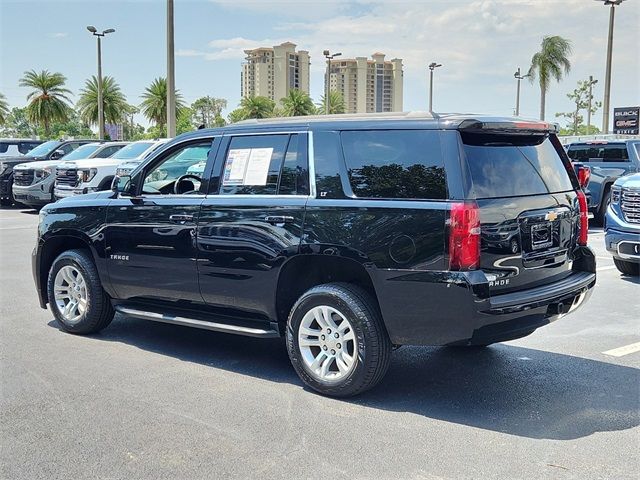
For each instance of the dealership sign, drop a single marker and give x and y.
(625, 120)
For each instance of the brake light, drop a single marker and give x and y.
(464, 236)
(584, 174)
(584, 219)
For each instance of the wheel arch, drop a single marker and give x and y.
(303, 272)
(53, 246)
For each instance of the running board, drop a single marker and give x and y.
(195, 323)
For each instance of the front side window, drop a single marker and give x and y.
(85, 151)
(133, 150)
(178, 172)
(253, 163)
(395, 164)
(108, 151)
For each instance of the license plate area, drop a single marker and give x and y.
(542, 235)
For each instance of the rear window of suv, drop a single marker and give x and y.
(511, 166)
(395, 164)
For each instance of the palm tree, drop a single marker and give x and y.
(297, 103)
(154, 105)
(336, 103)
(550, 63)
(4, 109)
(49, 101)
(257, 107)
(114, 103)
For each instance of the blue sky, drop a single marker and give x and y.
(479, 42)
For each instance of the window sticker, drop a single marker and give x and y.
(236, 166)
(247, 166)
(258, 166)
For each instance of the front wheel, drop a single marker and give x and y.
(337, 341)
(627, 268)
(76, 296)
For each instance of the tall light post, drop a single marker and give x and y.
(432, 67)
(99, 35)
(327, 85)
(607, 77)
(171, 79)
(592, 82)
(518, 77)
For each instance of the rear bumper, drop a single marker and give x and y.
(457, 308)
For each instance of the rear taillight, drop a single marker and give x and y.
(584, 219)
(584, 174)
(464, 236)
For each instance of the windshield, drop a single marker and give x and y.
(82, 152)
(44, 149)
(132, 150)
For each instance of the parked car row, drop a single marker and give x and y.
(58, 168)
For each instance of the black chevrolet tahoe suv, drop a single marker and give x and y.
(348, 235)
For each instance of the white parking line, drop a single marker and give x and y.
(622, 351)
(601, 269)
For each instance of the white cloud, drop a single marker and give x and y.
(59, 35)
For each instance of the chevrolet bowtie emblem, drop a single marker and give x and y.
(551, 216)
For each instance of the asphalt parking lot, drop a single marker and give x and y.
(147, 400)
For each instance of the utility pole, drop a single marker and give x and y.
(171, 79)
(327, 82)
(592, 82)
(607, 77)
(518, 77)
(99, 35)
(432, 67)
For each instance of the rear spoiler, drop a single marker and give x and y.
(510, 126)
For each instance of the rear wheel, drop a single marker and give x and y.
(76, 296)
(627, 268)
(336, 340)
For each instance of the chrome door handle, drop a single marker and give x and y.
(180, 218)
(278, 219)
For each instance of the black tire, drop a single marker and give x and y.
(373, 344)
(627, 268)
(99, 311)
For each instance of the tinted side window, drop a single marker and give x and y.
(253, 163)
(4, 147)
(24, 148)
(108, 151)
(294, 178)
(599, 153)
(509, 165)
(395, 164)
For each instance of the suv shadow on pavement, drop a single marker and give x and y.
(504, 388)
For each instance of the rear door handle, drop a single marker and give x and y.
(180, 218)
(278, 219)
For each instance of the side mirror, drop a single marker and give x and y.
(57, 154)
(121, 185)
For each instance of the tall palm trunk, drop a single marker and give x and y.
(543, 101)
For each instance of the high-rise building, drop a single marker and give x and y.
(273, 72)
(368, 85)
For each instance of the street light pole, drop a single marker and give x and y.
(607, 77)
(99, 35)
(171, 81)
(327, 82)
(432, 67)
(592, 82)
(518, 77)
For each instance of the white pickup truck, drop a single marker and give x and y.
(97, 174)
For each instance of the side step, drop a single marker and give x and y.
(195, 323)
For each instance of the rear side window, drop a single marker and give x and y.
(253, 163)
(395, 164)
(616, 152)
(25, 148)
(510, 165)
(4, 147)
